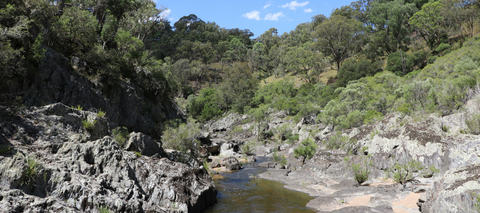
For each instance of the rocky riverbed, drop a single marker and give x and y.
(448, 183)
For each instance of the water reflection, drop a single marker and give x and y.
(238, 192)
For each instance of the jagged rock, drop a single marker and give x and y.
(225, 123)
(96, 173)
(139, 142)
(454, 191)
(125, 103)
(57, 174)
(232, 163)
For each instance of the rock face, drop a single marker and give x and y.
(125, 103)
(54, 165)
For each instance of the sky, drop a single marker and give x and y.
(256, 15)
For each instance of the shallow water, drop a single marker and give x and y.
(237, 192)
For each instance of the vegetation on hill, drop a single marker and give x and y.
(406, 56)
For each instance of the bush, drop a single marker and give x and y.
(120, 135)
(282, 160)
(339, 141)
(306, 149)
(402, 173)
(248, 147)
(356, 69)
(101, 113)
(372, 116)
(361, 170)
(183, 138)
(89, 125)
(206, 105)
(31, 172)
(473, 124)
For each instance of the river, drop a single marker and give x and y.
(239, 192)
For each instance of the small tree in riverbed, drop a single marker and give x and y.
(306, 149)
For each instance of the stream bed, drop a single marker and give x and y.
(239, 191)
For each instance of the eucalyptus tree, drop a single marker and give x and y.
(338, 37)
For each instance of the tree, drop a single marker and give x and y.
(306, 63)
(390, 22)
(306, 149)
(355, 69)
(238, 87)
(338, 37)
(428, 21)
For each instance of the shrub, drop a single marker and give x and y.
(248, 147)
(473, 124)
(183, 138)
(103, 209)
(89, 125)
(138, 154)
(282, 160)
(361, 170)
(356, 69)
(372, 116)
(402, 173)
(339, 141)
(31, 172)
(206, 106)
(306, 149)
(101, 113)
(120, 135)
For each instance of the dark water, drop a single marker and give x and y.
(239, 193)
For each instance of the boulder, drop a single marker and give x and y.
(232, 163)
(139, 142)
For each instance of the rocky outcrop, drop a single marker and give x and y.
(55, 165)
(456, 191)
(125, 103)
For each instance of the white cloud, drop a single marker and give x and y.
(252, 15)
(309, 10)
(267, 5)
(165, 14)
(294, 4)
(274, 16)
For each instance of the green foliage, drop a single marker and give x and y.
(101, 113)
(238, 87)
(89, 125)
(120, 135)
(402, 173)
(306, 149)
(372, 116)
(248, 147)
(337, 37)
(361, 169)
(206, 105)
(355, 69)
(103, 209)
(138, 154)
(37, 49)
(473, 123)
(31, 172)
(78, 107)
(183, 138)
(282, 160)
(339, 141)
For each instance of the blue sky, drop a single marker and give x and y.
(256, 15)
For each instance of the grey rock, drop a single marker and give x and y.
(232, 163)
(139, 142)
